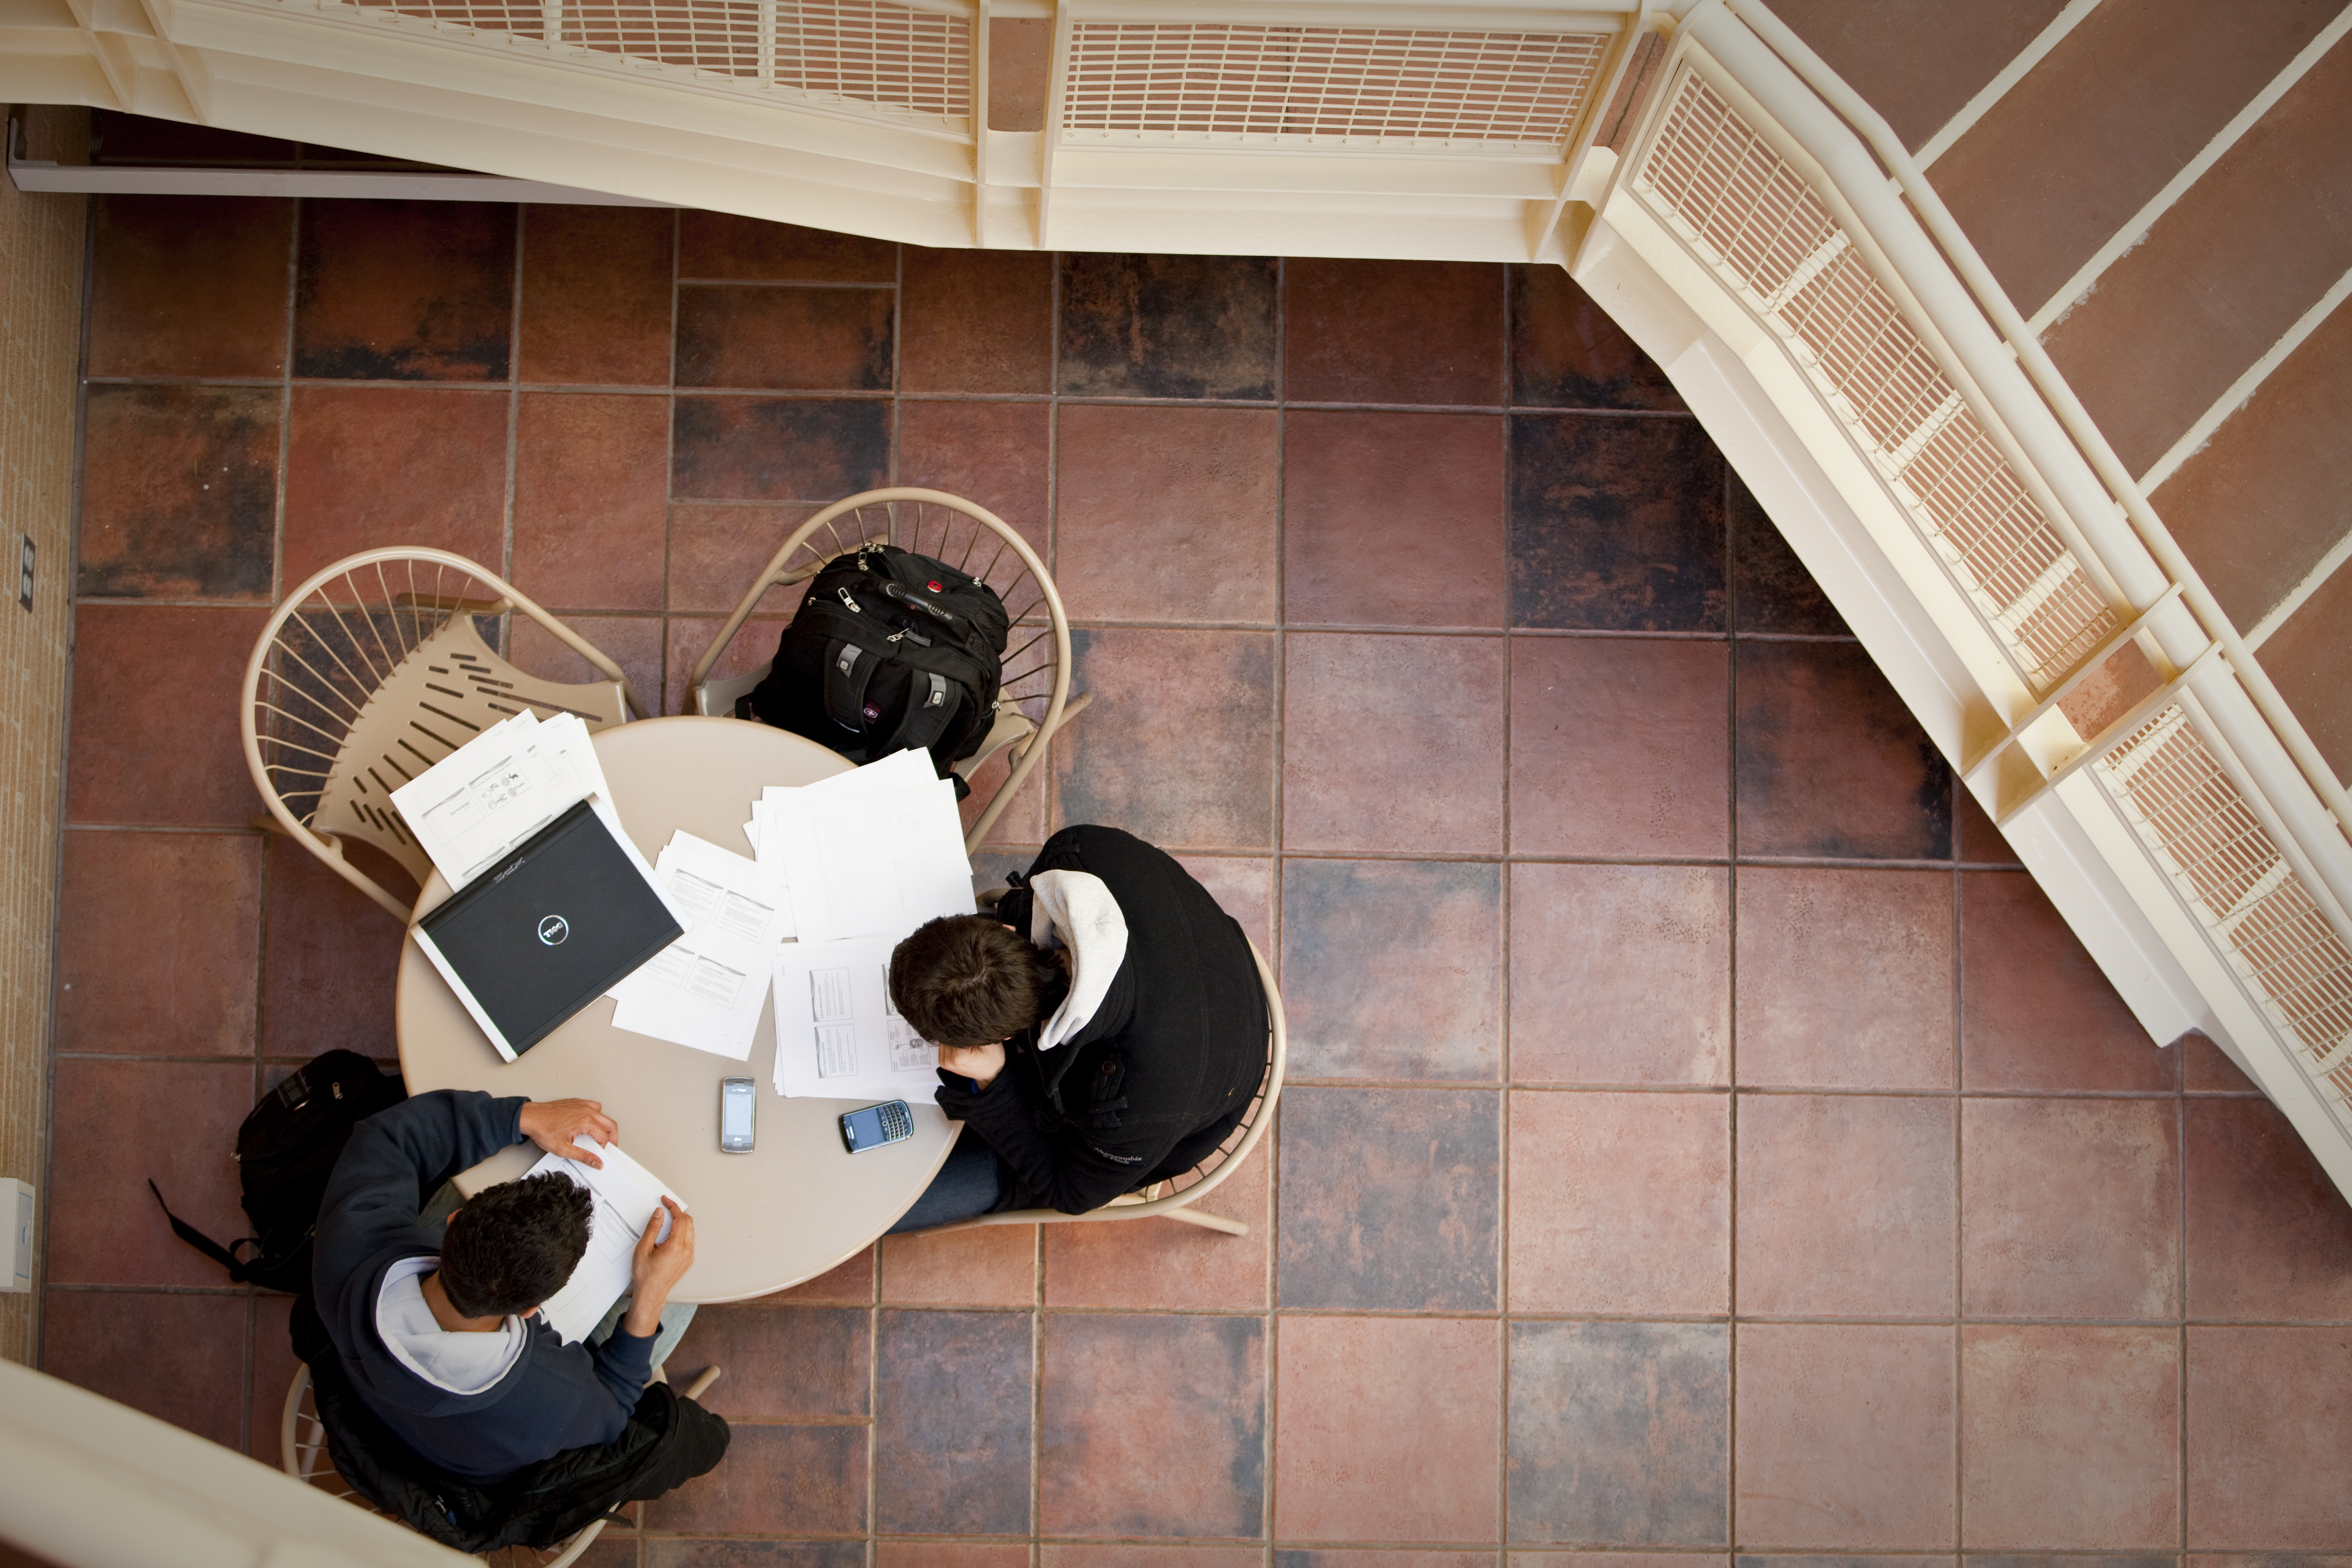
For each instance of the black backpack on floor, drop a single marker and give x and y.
(890, 651)
(286, 1149)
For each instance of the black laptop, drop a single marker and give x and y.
(559, 921)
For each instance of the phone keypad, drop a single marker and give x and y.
(896, 1122)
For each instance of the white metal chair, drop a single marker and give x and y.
(1173, 1197)
(1034, 700)
(373, 670)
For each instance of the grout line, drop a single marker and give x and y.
(1504, 885)
(1269, 1438)
(1994, 91)
(2241, 391)
(514, 420)
(1731, 1010)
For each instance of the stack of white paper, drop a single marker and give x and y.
(628, 1195)
(500, 787)
(704, 990)
(837, 1034)
(873, 852)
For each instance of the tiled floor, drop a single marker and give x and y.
(1700, 1136)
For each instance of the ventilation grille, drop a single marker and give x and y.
(2188, 810)
(1242, 84)
(1731, 194)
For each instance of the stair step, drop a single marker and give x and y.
(1917, 62)
(2310, 660)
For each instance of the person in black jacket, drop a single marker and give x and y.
(1104, 1030)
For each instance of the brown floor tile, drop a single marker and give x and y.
(1152, 1426)
(1844, 1435)
(596, 295)
(1022, 822)
(2268, 1236)
(175, 762)
(1392, 744)
(633, 642)
(1567, 354)
(951, 1428)
(949, 1554)
(274, 1364)
(1847, 1205)
(812, 340)
(372, 467)
(1417, 1168)
(848, 1283)
(174, 1124)
(616, 1547)
(778, 448)
(2035, 1011)
(1621, 747)
(2206, 1069)
(997, 454)
(1975, 840)
(1845, 978)
(592, 476)
(2261, 1403)
(728, 248)
(1165, 1263)
(1243, 889)
(976, 320)
(2070, 1438)
(2070, 1208)
(158, 938)
(105, 1340)
(1920, 69)
(328, 961)
(1129, 1554)
(1167, 514)
(188, 285)
(1620, 1203)
(1771, 592)
(1391, 331)
(788, 1479)
(1830, 763)
(686, 639)
(1178, 747)
(1169, 326)
(1364, 1403)
(404, 291)
(1619, 1433)
(1370, 1557)
(1616, 525)
(995, 1267)
(2307, 659)
(1620, 974)
(661, 1552)
(1372, 504)
(1393, 969)
(1662, 1560)
(782, 1364)
(715, 551)
(144, 533)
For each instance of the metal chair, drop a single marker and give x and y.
(1034, 700)
(372, 672)
(1173, 1197)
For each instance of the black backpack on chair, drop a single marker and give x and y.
(890, 651)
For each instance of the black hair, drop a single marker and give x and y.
(513, 1246)
(969, 980)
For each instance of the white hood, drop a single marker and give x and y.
(1073, 909)
(462, 1363)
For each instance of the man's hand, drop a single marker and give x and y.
(657, 1266)
(979, 1063)
(553, 1124)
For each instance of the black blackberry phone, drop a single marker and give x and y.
(889, 1123)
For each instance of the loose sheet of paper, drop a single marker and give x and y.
(873, 852)
(500, 787)
(837, 1034)
(705, 989)
(628, 1195)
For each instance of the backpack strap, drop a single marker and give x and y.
(931, 703)
(224, 1256)
(848, 670)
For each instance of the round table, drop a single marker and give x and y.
(799, 1202)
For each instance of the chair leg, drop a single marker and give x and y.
(1207, 1221)
(709, 1375)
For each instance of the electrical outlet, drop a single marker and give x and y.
(25, 571)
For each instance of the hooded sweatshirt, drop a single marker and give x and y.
(481, 1405)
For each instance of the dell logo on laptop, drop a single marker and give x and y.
(553, 930)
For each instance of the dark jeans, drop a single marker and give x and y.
(973, 1183)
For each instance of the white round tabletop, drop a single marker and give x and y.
(799, 1202)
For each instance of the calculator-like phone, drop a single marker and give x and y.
(889, 1123)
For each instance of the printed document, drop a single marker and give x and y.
(500, 787)
(837, 1034)
(873, 852)
(705, 989)
(628, 1195)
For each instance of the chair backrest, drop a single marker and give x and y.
(372, 672)
(970, 538)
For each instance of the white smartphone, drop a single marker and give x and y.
(735, 1096)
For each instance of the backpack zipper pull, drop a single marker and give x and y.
(855, 608)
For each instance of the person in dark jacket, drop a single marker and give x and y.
(439, 1335)
(1104, 1030)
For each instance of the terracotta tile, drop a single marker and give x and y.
(1108, 1554)
(1433, 783)
(1831, 764)
(952, 1423)
(1943, 56)
(949, 1554)
(328, 961)
(174, 1124)
(1847, 1205)
(791, 1479)
(1620, 1203)
(1771, 592)
(1621, 747)
(1169, 326)
(686, 639)
(778, 448)
(1844, 1435)
(188, 905)
(715, 551)
(2261, 1403)
(1391, 331)
(1374, 1557)
(188, 285)
(1845, 978)
(848, 1283)
(742, 1553)
(1243, 889)
(1621, 975)
(1567, 354)
(1167, 514)
(105, 1340)
(1177, 746)
(596, 295)
(1388, 1199)
(1363, 1405)
(1372, 502)
(782, 1364)
(1165, 1263)
(633, 642)
(1676, 1560)
(136, 760)
(996, 1267)
(1616, 525)
(1791, 1560)
(2070, 1438)
(616, 1547)
(1022, 821)
(404, 291)
(1619, 1433)
(2266, 1560)
(591, 500)
(745, 250)
(2306, 660)
(144, 532)
(976, 320)
(1152, 1426)
(2268, 1236)
(372, 467)
(1394, 968)
(2070, 1208)
(998, 453)
(814, 339)
(2206, 1069)
(1975, 840)
(2035, 1011)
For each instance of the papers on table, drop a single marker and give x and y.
(500, 787)
(873, 852)
(705, 989)
(837, 1034)
(628, 1195)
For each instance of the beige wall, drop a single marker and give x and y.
(40, 354)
